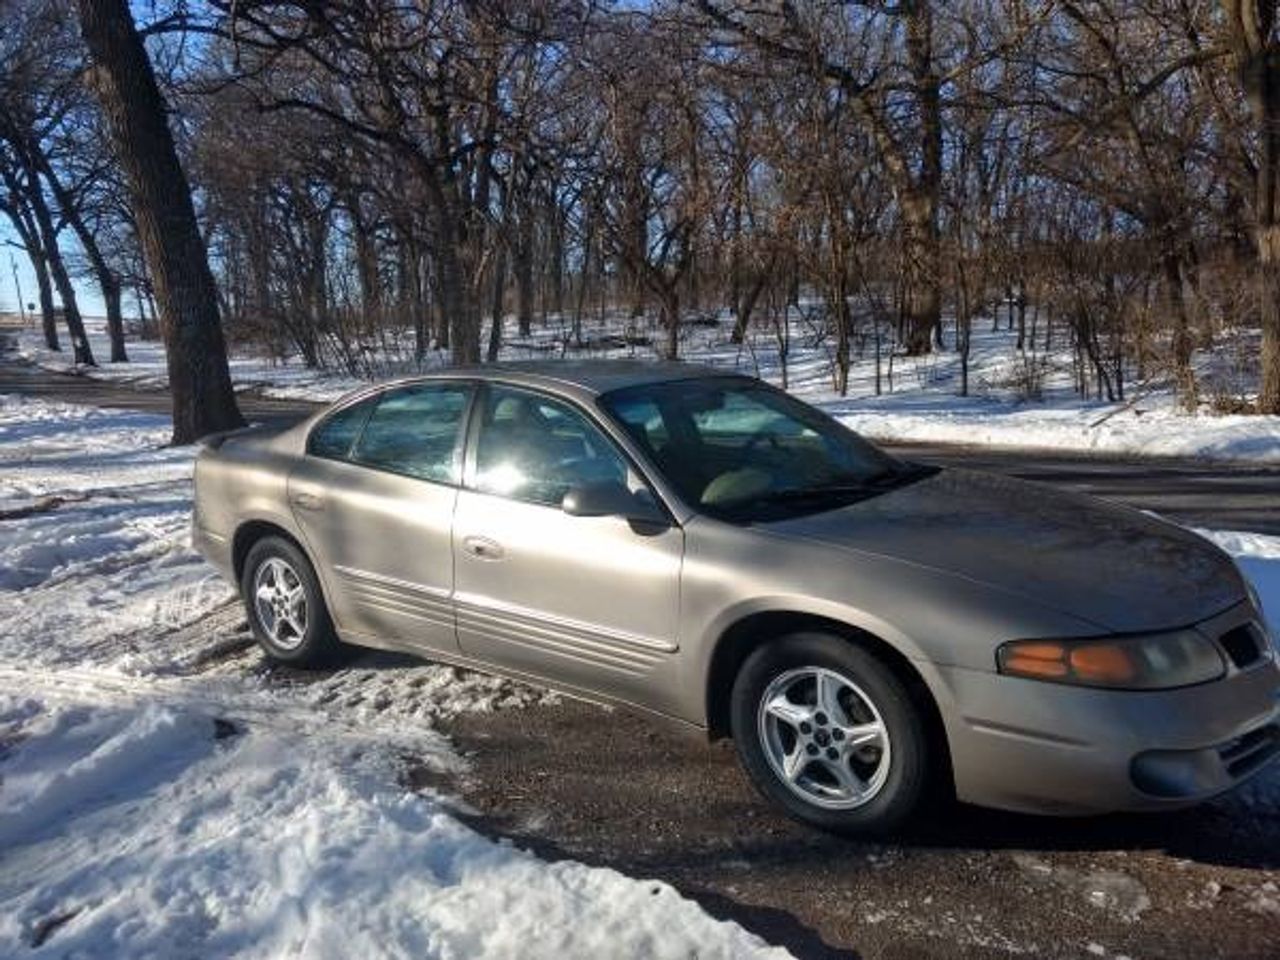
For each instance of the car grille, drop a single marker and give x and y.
(1244, 645)
(1245, 754)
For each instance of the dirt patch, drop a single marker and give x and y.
(610, 788)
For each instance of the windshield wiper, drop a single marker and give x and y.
(820, 491)
(876, 483)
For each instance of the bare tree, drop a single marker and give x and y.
(125, 84)
(1251, 34)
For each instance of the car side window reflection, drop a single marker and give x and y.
(334, 436)
(534, 448)
(414, 431)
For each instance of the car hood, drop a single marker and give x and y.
(1101, 562)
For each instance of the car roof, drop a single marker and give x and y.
(588, 376)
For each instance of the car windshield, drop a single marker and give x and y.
(744, 451)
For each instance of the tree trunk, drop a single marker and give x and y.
(48, 316)
(1251, 32)
(840, 307)
(522, 265)
(125, 84)
(746, 306)
(499, 305)
(1022, 317)
(111, 297)
(922, 241)
(29, 236)
(411, 301)
(108, 282)
(366, 264)
(635, 238)
(555, 257)
(1186, 382)
(671, 318)
(923, 299)
(82, 352)
(460, 317)
(1269, 293)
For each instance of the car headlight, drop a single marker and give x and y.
(1154, 662)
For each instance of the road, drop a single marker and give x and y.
(608, 788)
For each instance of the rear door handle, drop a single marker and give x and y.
(307, 501)
(483, 548)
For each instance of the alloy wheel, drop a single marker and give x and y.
(280, 600)
(824, 738)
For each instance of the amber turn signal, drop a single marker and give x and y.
(1154, 662)
(1046, 660)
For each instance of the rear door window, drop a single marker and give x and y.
(414, 431)
(335, 436)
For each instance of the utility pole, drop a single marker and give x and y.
(17, 285)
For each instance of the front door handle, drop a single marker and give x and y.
(483, 548)
(307, 501)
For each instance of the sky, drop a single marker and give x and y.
(13, 256)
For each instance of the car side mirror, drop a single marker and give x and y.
(609, 498)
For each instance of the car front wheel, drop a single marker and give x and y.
(829, 732)
(286, 608)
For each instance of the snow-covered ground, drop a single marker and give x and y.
(132, 830)
(152, 806)
(918, 401)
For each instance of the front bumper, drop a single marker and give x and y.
(1038, 747)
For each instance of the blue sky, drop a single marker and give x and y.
(87, 295)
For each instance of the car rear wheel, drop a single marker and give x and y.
(829, 732)
(286, 607)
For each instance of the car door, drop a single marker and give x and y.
(375, 497)
(586, 601)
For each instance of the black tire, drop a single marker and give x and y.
(317, 645)
(902, 786)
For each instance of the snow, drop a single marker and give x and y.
(1258, 557)
(247, 846)
(111, 561)
(162, 796)
(918, 403)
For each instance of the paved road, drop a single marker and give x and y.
(19, 377)
(609, 788)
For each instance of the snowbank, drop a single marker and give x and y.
(134, 832)
(1258, 557)
(1073, 429)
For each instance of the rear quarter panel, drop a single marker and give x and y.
(242, 481)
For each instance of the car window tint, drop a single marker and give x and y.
(414, 431)
(744, 451)
(644, 421)
(534, 448)
(741, 417)
(333, 437)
